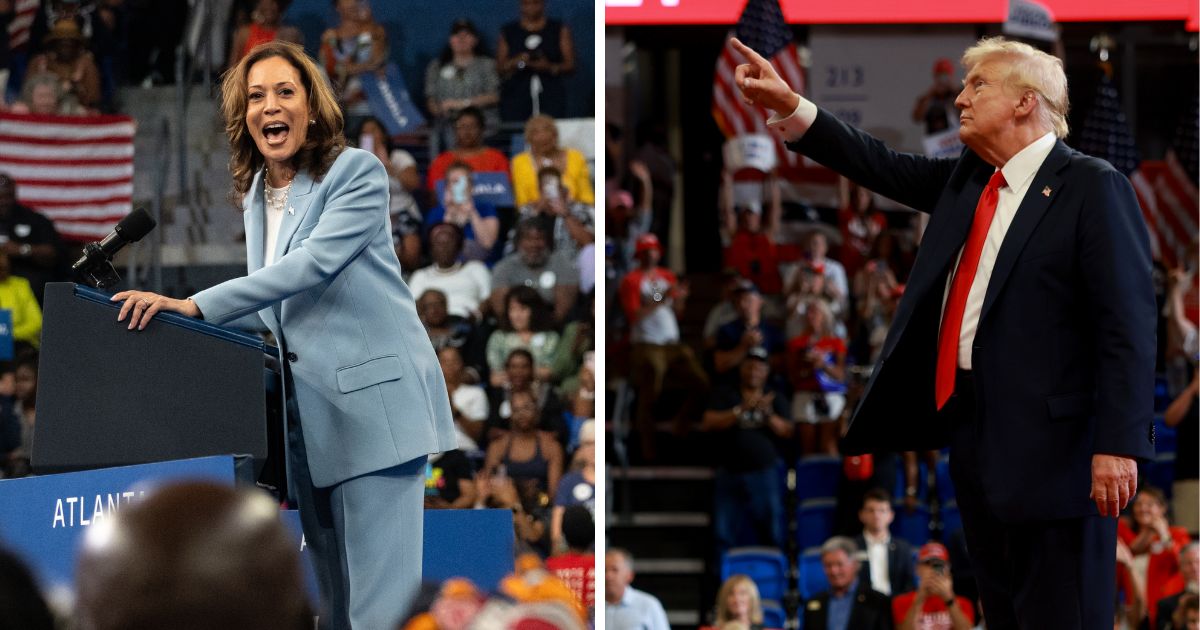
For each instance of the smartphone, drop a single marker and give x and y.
(458, 190)
(550, 186)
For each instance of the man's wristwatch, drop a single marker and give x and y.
(25, 250)
(949, 601)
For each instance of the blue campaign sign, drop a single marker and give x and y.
(43, 519)
(390, 101)
(490, 186)
(475, 544)
(6, 335)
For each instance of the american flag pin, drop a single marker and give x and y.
(292, 210)
(1046, 191)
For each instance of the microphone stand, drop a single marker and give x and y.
(100, 273)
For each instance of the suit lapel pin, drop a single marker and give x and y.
(292, 210)
(1046, 191)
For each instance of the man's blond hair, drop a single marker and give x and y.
(1028, 69)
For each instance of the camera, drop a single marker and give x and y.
(938, 566)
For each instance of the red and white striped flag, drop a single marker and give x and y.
(762, 28)
(76, 170)
(21, 26)
(1169, 201)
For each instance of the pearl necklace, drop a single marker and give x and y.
(276, 198)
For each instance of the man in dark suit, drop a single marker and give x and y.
(1025, 337)
(887, 561)
(850, 603)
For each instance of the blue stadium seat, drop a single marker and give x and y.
(817, 476)
(1160, 473)
(922, 479)
(814, 519)
(1162, 394)
(767, 566)
(1164, 437)
(773, 615)
(914, 526)
(812, 574)
(945, 487)
(951, 519)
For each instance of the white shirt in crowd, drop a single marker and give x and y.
(466, 285)
(635, 611)
(877, 557)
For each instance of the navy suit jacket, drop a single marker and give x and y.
(1064, 352)
(871, 610)
(902, 564)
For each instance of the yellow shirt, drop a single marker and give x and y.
(577, 180)
(17, 296)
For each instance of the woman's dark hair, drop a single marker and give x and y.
(473, 112)
(462, 24)
(539, 312)
(519, 352)
(459, 235)
(324, 141)
(358, 131)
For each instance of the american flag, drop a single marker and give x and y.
(1165, 190)
(76, 170)
(1175, 185)
(21, 26)
(762, 28)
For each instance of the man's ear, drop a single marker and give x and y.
(1027, 103)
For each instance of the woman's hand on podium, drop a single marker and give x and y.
(142, 305)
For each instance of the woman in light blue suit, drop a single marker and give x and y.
(366, 400)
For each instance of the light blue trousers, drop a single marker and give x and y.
(364, 536)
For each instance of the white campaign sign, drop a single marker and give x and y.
(755, 150)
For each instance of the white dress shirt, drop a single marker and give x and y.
(877, 558)
(1018, 174)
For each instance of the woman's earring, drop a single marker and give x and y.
(312, 121)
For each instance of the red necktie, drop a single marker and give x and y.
(956, 302)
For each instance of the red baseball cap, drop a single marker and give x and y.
(647, 242)
(943, 66)
(933, 551)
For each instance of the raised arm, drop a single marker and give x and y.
(914, 180)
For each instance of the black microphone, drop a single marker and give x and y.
(131, 229)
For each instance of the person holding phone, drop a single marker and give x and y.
(541, 135)
(571, 222)
(478, 219)
(933, 606)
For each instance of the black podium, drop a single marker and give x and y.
(181, 388)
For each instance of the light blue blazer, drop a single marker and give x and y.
(367, 381)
